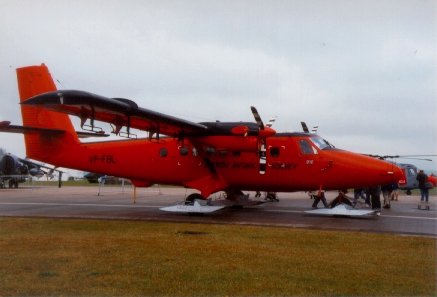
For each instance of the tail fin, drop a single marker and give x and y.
(32, 81)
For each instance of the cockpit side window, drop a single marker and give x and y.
(321, 143)
(306, 148)
(411, 172)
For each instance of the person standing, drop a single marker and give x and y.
(422, 178)
(395, 194)
(320, 196)
(375, 194)
(386, 193)
(359, 193)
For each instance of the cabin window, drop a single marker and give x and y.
(411, 172)
(163, 152)
(306, 148)
(183, 151)
(274, 151)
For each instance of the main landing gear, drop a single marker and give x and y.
(271, 197)
(195, 203)
(193, 197)
(268, 196)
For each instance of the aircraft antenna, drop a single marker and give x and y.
(59, 82)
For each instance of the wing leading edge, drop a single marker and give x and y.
(117, 111)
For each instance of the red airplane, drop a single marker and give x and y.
(209, 156)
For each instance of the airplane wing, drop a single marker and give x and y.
(31, 163)
(117, 111)
(36, 168)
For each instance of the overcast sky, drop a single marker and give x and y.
(364, 71)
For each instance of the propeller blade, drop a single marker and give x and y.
(262, 158)
(271, 122)
(264, 132)
(305, 127)
(257, 118)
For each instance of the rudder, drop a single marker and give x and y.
(32, 81)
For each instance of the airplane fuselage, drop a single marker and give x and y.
(295, 161)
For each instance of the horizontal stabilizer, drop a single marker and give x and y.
(6, 127)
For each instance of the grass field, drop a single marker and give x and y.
(125, 258)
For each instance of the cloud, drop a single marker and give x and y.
(364, 71)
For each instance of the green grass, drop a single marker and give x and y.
(432, 192)
(124, 258)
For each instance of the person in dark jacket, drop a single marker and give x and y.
(375, 197)
(422, 178)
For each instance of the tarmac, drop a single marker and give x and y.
(117, 203)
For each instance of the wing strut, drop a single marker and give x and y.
(89, 127)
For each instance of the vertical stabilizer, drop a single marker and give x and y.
(32, 81)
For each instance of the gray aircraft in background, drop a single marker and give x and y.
(15, 170)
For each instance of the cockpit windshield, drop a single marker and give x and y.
(321, 143)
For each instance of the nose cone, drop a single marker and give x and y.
(377, 172)
(398, 174)
(359, 171)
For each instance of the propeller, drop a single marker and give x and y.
(306, 130)
(271, 122)
(264, 132)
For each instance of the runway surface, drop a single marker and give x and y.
(117, 203)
